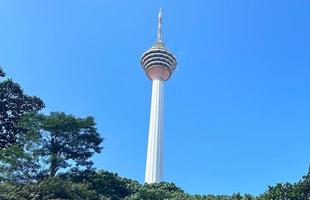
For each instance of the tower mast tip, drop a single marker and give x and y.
(160, 22)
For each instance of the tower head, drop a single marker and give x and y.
(158, 62)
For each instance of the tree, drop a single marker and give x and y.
(18, 166)
(103, 185)
(21, 162)
(51, 142)
(50, 188)
(158, 191)
(281, 191)
(14, 103)
(2, 74)
(68, 141)
(106, 184)
(303, 187)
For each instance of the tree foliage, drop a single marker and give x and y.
(68, 140)
(17, 165)
(100, 185)
(51, 143)
(103, 185)
(14, 103)
(51, 188)
(288, 191)
(2, 74)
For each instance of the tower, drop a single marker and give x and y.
(158, 64)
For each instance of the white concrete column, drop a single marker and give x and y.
(153, 172)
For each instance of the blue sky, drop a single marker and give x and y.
(236, 108)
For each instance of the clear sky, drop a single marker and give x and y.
(237, 114)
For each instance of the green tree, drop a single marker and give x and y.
(248, 197)
(158, 191)
(2, 74)
(68, 141)
(102, 185)
(303, 187)
(50, 188)
(22, 162)
(282, 191)
(106, 184)
(236, 196)
(18, 166)
(14, 103)
(52, 142)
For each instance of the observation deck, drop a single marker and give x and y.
(158, 62)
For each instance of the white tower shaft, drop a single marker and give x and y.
(153, 173)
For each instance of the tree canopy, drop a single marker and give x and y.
(67, 138)
(51, 143)
(103, 185)
(14, 103)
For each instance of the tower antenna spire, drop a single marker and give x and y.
(159, 30)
